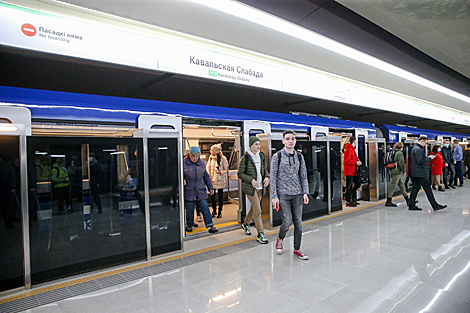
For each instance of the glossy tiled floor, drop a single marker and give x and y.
(387, 260)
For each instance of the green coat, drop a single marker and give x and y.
(400, 167)
(247, 172)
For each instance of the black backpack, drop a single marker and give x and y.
(389, 159)
(363, 174)
(279, 156)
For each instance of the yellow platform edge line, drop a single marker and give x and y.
(201, 229)
(40, 290)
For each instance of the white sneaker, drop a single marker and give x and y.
(279, 245)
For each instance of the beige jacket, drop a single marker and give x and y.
(218, 179)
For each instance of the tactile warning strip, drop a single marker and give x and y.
(46, 295)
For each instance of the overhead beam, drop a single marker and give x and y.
(156, 80)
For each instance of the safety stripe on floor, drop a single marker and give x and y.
(74, 287)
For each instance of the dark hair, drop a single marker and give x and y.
(289, 131)
(435, 149)
(422, 138)
(455, 141)
(92, 154)
(352, 139)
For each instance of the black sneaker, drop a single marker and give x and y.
(452, 186)
(212, 230)
(262, 238)
(414, 208)
(189, 229)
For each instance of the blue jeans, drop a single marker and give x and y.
(458, 173)
(203, 206)
(291, 212)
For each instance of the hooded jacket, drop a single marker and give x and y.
(437, 164)
(247, 172)
(218, 179)
(196, 179)
(350, 160)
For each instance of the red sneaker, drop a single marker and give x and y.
(301, 255)
(279, 245)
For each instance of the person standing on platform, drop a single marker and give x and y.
(196, 179)
(217, 167)
(458, 157)
(420, 176)
(466, 160)
(289, 189)
(61, 180)
(449, 170)
(396, 175)
(253, 172)
(351, 162)
(437, 165)
(95, 181)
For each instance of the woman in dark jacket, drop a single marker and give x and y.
(196, 179)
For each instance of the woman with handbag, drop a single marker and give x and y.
(217, 167)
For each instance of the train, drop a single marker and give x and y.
(124, 159)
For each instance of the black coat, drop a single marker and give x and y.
(419, 162)
(447, 155)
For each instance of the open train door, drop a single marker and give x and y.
(254, 128)
(163, 182)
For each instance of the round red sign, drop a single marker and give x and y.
(28, 30)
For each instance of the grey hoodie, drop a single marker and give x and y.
(287, 181)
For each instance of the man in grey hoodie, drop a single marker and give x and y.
(289, 189)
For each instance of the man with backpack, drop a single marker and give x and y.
(289, 189)
(396, 155)
(253, 172)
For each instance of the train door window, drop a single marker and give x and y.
(89, 203)
(11, 240)
(382, 177)
(163, 194)
(337, 176)
(361, 148)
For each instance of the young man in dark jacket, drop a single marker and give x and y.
(447, 155)
(254, 175)
(420, 171)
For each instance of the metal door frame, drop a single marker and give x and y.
(21, 127)
(168, 127)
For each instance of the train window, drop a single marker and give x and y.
(5, 120)
(51, 129)
(162, 127)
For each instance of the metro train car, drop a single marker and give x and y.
(123, 163)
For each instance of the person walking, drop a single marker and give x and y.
(351, 162)
(217, 167)
(289, 190)
(458, 157)
(437, 164)
(466, 160)
(449, 169)
(420, 176)
(253, 172)
(396, 175)
(196, 179)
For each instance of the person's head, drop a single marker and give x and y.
(446, 143)
(435, 149)
(423, 140)
(456, 142)
(398, 145)
(468, 145)
(194, 154)
(352, 140)
(288, 139)
(91, 156)
(216, 149)
(255, 144)
(61, 161)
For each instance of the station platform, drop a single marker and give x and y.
(369, 259)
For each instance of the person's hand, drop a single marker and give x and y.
(275, 202)
(359, 162)
(305, 199)
(445, 164)
(432, 156)
(266, 182)
(255, 184)
(211, 192)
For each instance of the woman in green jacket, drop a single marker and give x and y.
(255, 178)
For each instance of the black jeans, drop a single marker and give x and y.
(449, 170)
(352, 184)
(419, 182)
(220, 193)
